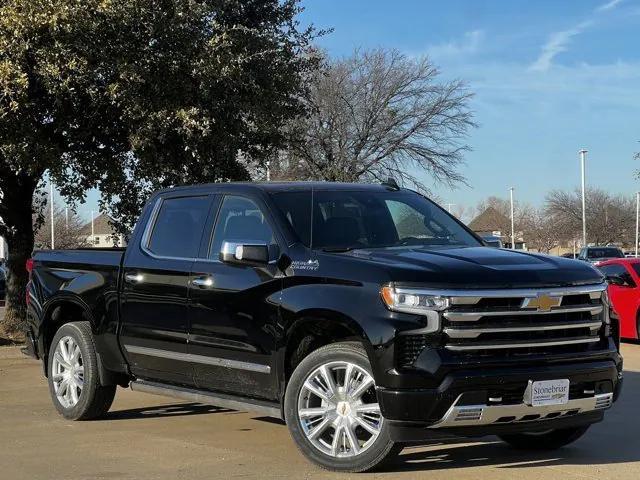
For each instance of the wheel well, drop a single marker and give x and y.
(64, 312)
(311, 333)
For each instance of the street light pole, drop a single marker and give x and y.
(53, 240)
(513, 232)
(583, 155)
(637, 219)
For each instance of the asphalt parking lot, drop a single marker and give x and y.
(145, 437)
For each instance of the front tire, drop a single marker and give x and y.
(550, 440)
(332, 410)
(74, 382)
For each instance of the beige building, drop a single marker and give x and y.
(100, 233)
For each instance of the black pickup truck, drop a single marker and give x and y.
(365, 316)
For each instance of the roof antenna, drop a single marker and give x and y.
(391, 183)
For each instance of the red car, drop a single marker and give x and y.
(625, 298)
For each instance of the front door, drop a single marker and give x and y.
(233, 308)
(624, 298)
(154, 297)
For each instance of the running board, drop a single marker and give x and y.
(270, 409)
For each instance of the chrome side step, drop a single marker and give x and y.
(270, 409)
(474, 415)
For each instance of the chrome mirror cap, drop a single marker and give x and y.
(245, 252)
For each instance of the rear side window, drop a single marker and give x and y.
(178, 227)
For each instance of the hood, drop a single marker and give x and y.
(478, 267)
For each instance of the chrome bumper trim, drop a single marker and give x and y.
(475, 415)
(453, 332)
(524, 344)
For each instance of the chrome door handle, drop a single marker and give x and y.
(202, 282)
(133, 277)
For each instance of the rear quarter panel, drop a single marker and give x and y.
(87, 278)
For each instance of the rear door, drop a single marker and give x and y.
(234, 313)
(154, 296)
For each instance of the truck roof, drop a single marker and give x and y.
(281, 186)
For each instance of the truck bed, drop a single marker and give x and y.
(81, 256)
(86, 277)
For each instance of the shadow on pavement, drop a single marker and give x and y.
(163, 411)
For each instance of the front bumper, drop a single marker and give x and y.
(483, 402)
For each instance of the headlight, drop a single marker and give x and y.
(411, 300)
(416, 301)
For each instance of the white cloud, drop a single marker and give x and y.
(469, 44)
(558, 42)
(608, 6)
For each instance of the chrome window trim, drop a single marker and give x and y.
(190, 357)
(148, 229)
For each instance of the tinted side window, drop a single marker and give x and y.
(240, 219)
(178, 227)
(296, 207)
(619, 271)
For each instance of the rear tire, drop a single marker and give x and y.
(74, 383)
(550, 440)
(332, 410)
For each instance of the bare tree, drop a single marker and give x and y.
(67, 229)
(463, 213)
(503, 206)
(542, 230)
(378, 114)
(610, 218)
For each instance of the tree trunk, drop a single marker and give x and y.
(17, 216)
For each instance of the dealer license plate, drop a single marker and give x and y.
(547, 392)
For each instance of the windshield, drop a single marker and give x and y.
(364, 219)
(604, 253)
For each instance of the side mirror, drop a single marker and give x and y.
(252, 253)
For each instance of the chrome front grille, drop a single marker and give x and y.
(524, 321)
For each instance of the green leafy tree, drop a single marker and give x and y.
(132, 95)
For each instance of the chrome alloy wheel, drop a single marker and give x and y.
(68, 372)
(338, 409)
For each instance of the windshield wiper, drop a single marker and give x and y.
(337, 249)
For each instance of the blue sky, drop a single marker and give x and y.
(550, 77)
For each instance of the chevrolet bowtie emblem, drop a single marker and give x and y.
(542, 303)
